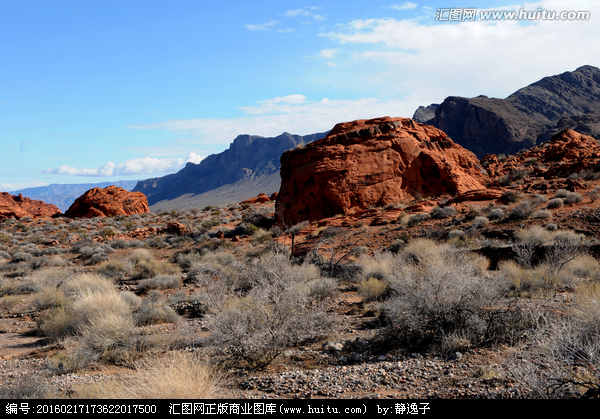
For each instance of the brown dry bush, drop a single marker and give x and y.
(274, 314)
(443, 296)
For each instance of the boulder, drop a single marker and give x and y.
(111, 200)
(366, 163)
(19, 206)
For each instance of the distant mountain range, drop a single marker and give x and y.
(63, 195)
(528, 117)
(250, 166)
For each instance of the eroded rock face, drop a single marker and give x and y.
(111, 200)
(568, 152)
(373, 162)
(19, 206)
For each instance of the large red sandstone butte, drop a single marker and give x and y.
(373, 162)
(112, 200)
(18, 206)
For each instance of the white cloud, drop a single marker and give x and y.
(404, 6)
(275, 116)
(7, 187)
(139, 166)
(494, 58)
(329, 53)
(263, 27)
(304, 12)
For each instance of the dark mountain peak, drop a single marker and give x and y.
(249, 160)
(525, 118)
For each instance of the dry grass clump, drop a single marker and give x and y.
(160, 282)
(97, 322)
(173, 376)
(372, 288)
(535, 282)
(113, 269)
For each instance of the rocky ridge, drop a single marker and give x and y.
(250, 166)
(525, 118)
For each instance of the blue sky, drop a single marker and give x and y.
(102, 90)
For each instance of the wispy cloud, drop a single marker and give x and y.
(8, 187)
(293, 113)
(263, 26)
(328, 53)
(404, 6)
(305, 12)
(140, 166)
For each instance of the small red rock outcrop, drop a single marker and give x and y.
(19, 206)
(112, 200)
(373, 162)
(568, 152)
(260, 199)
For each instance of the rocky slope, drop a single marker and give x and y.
(527, 117)
(250, 166)
(374, 162)
(111, 200)
(19, 206)
(63, 195)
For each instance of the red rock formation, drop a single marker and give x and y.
(19, 207)
(175, 227)
(372, 163)
(260, 199)
(111, 200)
(566, 153)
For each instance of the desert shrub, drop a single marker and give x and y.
(272, 315)
(510, 196)
(322, 289)
(594, 193)
(573, 198)
(416, 219)
(496, 214)
(561, 193)
(521, 211)
(160, 282)
(420, 249)
(83, 309)
(153, 311)
(173, 376)
(48, 298)
(542, 214)
(480, 222)
(532, 282)
(113, 269)
(152, 268)
(535, 235)
(381, 265)
(555, 203)
(27, 387)
(372, 288)
(140, 255)
(585, 266)
(442, 212)
(186, 260)
(21, 257)
(562, 358)
(9, 302)
(444, 296)
(86, 284)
